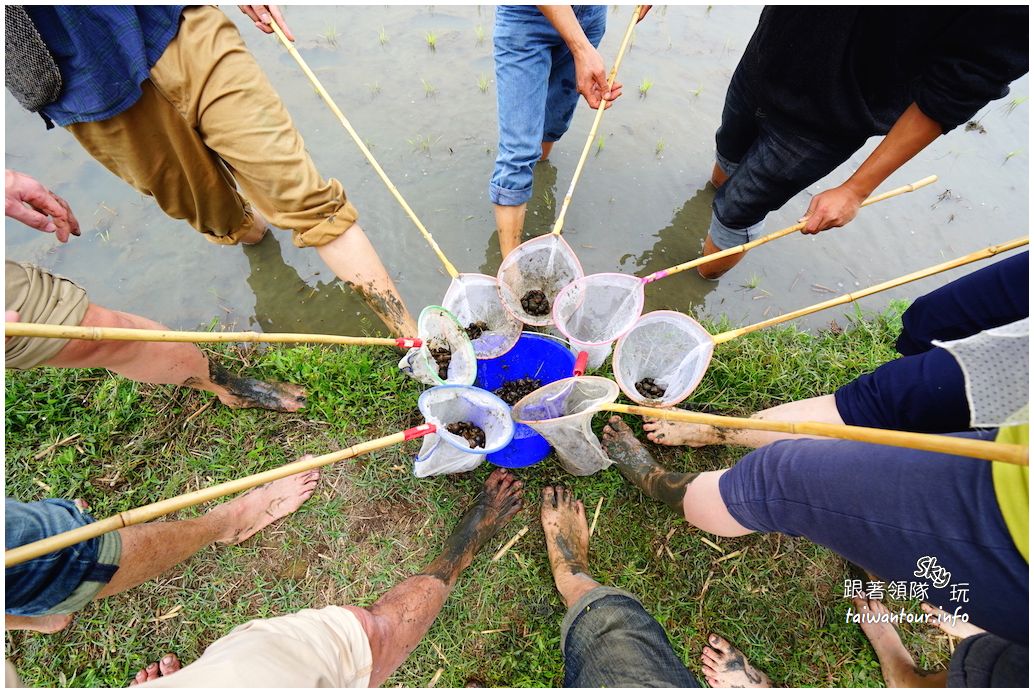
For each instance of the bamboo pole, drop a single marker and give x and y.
(127, 334)
(736, 250)
(990, 251)
(150, 512)
(363, 148)
(963, 447)
(625, 41)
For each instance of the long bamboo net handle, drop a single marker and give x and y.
(127, 334)
(736, 250)
(150, 512)
(854, 296)
(963, 447)
(363, 148)
(559, 224)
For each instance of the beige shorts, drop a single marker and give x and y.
(313, 648)
(39, 296)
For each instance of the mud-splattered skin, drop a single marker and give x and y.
(500, 499)
(572, 545)
(251, 392)
(637, 465)
(388, 306)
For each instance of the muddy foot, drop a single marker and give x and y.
(567, 534)
(248, 393)
(954, 627)
(169, 664)
(726, 667)
(499, 501)
(260, 507)
(675, 433)
(638, 466)
(899, 669)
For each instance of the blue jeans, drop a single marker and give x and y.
(885, 509)
(536, 91)
(610, 641)
(63, 581)
(766, 165)
(924, 390)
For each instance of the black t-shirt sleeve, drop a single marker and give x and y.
(974, 60)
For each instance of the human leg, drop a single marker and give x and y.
(822, 409)
(522, 42)
(351, 646)
(898, 667)
(724, 666)
(607, 637)
(39, 296)
(891, 511)
(43, 593)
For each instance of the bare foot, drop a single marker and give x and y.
(51, 623)
(638, 466)
(500, 499)
(169, 664)
(259, 507)
(676, 433)
(248, 393)
(725, 667)
(567, 542)
(950, 624)
(899, 669)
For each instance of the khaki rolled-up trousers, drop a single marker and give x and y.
(209, 122)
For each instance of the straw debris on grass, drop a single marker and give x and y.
(371, 523)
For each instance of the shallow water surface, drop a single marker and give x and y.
(642, 204)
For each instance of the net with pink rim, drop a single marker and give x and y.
(596, 309)
(561, 412)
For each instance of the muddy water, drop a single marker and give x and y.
(642, 204)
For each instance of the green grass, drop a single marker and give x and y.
(371, 523)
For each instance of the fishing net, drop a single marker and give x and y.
(662, 358)
(533, 274)
(561, 412)
(444, 338)
(595, 310)
(996, 366)
(445, 452)
(474, 300)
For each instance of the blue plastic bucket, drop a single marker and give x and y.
(534, 356)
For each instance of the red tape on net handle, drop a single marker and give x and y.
(409, 342)
(419, 431)
(580, 364)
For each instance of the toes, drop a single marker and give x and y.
(709, 670)
(713, 682)
(719, 643)
(548, 497)
(580, 508)
(170, 664)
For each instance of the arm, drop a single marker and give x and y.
(838, 206)
(28, 201)
(590, 72)
(260, 14)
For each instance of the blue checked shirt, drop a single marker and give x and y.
(104, 54)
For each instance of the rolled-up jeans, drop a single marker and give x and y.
(610, 641)
(767, 164)
(536, 91)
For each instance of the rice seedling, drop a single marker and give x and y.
(658, 149)
(753, 282)
(382, 36)
(479, 35)
(1008, 108)
(330, 35)
(696, 92)
(429, 89)
(1011, 154)
(644, 87)
(374, 88)
(599, 145)
(432, 40)
(422, 143)
(483, 83)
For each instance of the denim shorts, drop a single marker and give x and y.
(610, 641)
(536, 91)
(887, 508)
(766, 164)
(61, 582)
(924, 390)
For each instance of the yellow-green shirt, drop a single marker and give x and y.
(1012, 489)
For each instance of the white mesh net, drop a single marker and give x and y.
(662, 359)
(599, 308)
(474, 300)
(443, 337)
(561, 412)
(443, 452)
(996, 366)
(545, 264)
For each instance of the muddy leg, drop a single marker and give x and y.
(899, 669)
(401, 618)
(637, 465)
(509, 223)
(726, 667)
(567, 543)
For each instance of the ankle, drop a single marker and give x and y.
(573, 586)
